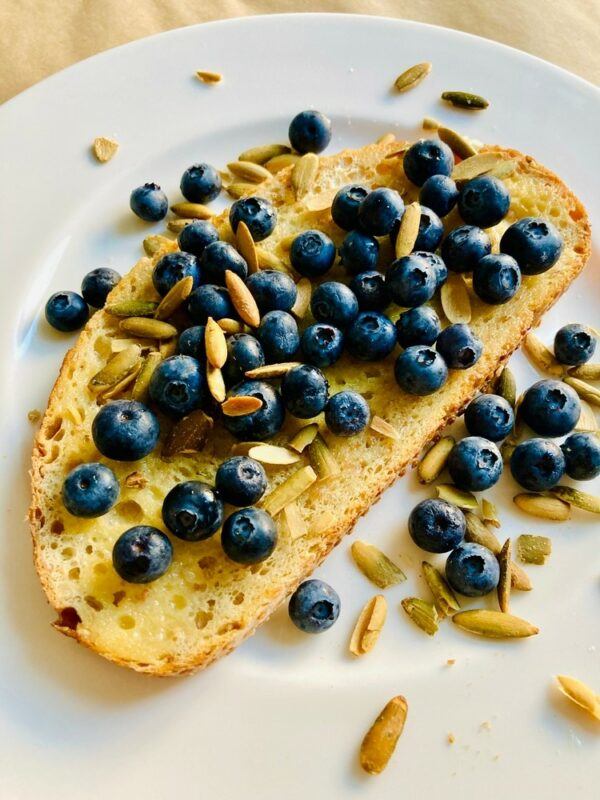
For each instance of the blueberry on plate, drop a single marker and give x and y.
(371, 291)
(258, 214)
(371, 337)
(425, 158)
(475, 464)
(419, 325)
(241, 481)
(196, 236)
(489, 416)
(437, 265)
(305, 391)
(218, 258)
(550, 408)
(439, 193)
(321, 344)
(431, 230)
(192, 511)
(249, 536)
(472, 570)
(210, 301)
(273, 290)
(464, 247)
(310, 132)
(279, 337)
(436, 526)
(314, 606)
(142, 554)
(97, 285)
(344, 209)
(347, 413)
(420, 370)
(459, 347)
(200, 183)
(312, 253)
(244, 352)
(534, 243)
(172, 268)
(262, 424)
(380, 210)
(66, 311)
(574, 345)
(582, 456)
(359, 252)
(496, 278)
(335, 303)
(411, 281)
(191, 342)
(178, 385)
(125, 430)
(90, 490)
(483, 201)
(149, 202)
(537, 464)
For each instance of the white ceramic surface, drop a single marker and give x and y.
(284, 715)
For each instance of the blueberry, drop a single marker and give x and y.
(347, 413)
(178, 385)
(436, 526)
(262, 424)
(574, 345)
(312, 253)
(420, 370)
(322, 345)
(534, 243)
(582, 456)
(249, 536)
(304, 390)
(359, 252)
(380, 210)
(279, 337)
(310, 132)
(550, 408)
(273, 290)
(67, 311)
(419, 325)
(219, 258)
(439, 193)
(172, 268)
(425, 158)
(314, 606)
(196, 236)
(496, 278)
(370, 290)
(344, 208)
(437, 265)
(475, 464)
(483, 201)
(472, 570)
(142, 554)
(90, 490)
(241, 481)
(125, 430)
(489, 416)
(431, 230)
(191, 342)
(149, 202)
(97, 285)
(459, 347)
(192, 511)
(200, 183)
(335, 303)
(371, 336)
(210, 301)
(258, 214)
(411, 281)
(464, 247)
(537, 464)
(244, 352)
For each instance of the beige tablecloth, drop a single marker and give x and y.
(39, 37)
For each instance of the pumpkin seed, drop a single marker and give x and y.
(104, 148)
(368, 626)
(580, 694)
(489, 513)
(587, 419)
(408, 231)
(277, 163)
(443, 597)
(215, 344)
(156, 243)
(304, 174)
(422, 613)
(479, 533)
(458, 497)
(506, 386)
(545, 507)
(375, 565)
(248, 171)
(177, 225)
(466, 100)
(434, 461)
(519, 579)
(148, 328)
(246, 247)
(230, 325)
(541, 356)
(322, 459)
(303, 295)
(504, 559)
(237, 190)
(474, 166)
(583, 500)
(290, 490)
(174, 298)
(272, 370)
(295, 522)
(586, 391)
(271, 454)
(192, 211)
(494, 624)
(459, 144)
(242, 299)
(534, 549)
(119, 387)
(239, 405)
(304, 437)
(216, 383)
(188, 435)
(142, 381)
(206, 76)
(263, 153)
(382, 737)
(454, 297)
(430, 124)
(131, 308)
(117, 367)
(383, 428)
(412, 76)
(586, 372)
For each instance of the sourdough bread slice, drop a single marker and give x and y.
(205, 605)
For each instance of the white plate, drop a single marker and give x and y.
(284, 715)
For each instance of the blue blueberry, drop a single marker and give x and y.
(464, 247)
(420, 370)
(219, 258)
(419, 325)
(534, 243)
(431, 230)
(489, 416)
(475, 464)
(244, 352)
(537, 464)
(347, 413)
(191, 342)
(305, 391)
(550, 408)
(210, 301)
(273, 290)
(142, 554)
(125, 430)
(459, 347)
(314, 606)
(344, 209)
(496, 278)
(310, 132)
(335, 303)
(472, 570)
(380, 210)
(312, 253)
(172, 268)
(200, 183)
(262, 424)
(371, 337)
(258, 214)
(322, 345)
(149, 202)
(371, 291)
(436, 526)
(66, 311)
(359, 252)
(90, 490)
(192, 511)
(249, 536)
(582, 456)
(574, 345)
(437, 265)
(411, 281)
(241, 481)
(425, 158)
(279, 337)
(483, 201)
(196, 236)
(97, 285)
(439, 193)
(178, 385)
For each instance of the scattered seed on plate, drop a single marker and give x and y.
(544, 507)
(504, 559)
(506, 386)
(207, 76)
(533, 549)
(458, 497)
(413, 76)
(434, 461)
(586, 372)
(574, 497)
(541, 356)
(489, 513)
(580, 694)
(382, 737)
(422, 613)
(375, 565)
(368, 626)
(443, 597)
(104, 148)
(468, 100)
(494, 624)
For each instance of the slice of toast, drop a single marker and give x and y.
(205, 605)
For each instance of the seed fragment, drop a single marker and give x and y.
(104, 148)
(586, 372)
(147, 328)
(375, 565)
(304, 437)
(456, 496)
(434, 461)
(242, 299)
(263, 153)
(239, 405)
(188, 435)
(380, 740)
(322, 459)
(454, 297)
(383, 428)
(489, 513)
(303, 295)
(272, 454)
(479, 533)
(504, 559)
(215, 344)
(587, 419)
(246, 246)
(368, 626)
(412, 77)
(541, 356)
(131, 308)
(277, 163)
(168, 347)
(118, 388)
(583, 500)
(586, 391)
(422, 613)
(237, 190)
(504, 168)
(136, 480)
(207, 76)
(272, 370)
(430, 124)
(156, 243)
(534, 549)
(288, 491)
(408, 231)
(174, 298)
(177, 225)
(474, 166)
(118, 367)
(294, 521)
(540, 506)
(34, 415)
(142, 381)
(459, 144)
(466, 100)
(386, 138)
(191, 211)
(230, 325)
(506, 386)
(443, 597)
(580, 694)
(494, 624)
(216, 383)
(304, 174)
(249, 171)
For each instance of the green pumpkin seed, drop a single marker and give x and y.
(534, 549)
(174, 298)
(443, 596)
(586, 391)
(494, 624)
(142, 381)
(412, 76)
(479, 533)
(375, 565)
(459, 144)
(148, 328)
(117, 368)
(422, 613)
(583, 500)
(322, 459)
(465, 100)
(131, 308)
(506, 386)
(264, 153)
(458, 497)
(489, 513)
